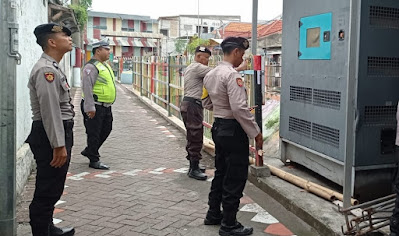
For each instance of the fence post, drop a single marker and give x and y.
(258, 100)
(169, 80)
(141, 76)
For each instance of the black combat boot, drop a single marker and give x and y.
(55, 231)
(236, 230)
(231, 227)
(202, 168)
(40, 230)
(195, 171)
(213, 217)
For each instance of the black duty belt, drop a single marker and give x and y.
(65, 122)
(193, 100)
(226, 121)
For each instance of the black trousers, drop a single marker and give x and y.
(193, 115)
(97, 130)
(50, 181)
(231, 162)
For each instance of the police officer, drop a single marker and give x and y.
(233, 125)
(51, 137)
(99, 93)
(192, 112)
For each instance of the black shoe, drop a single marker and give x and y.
(55, 231)
(195, 172)
(98, 165)
(213, 218)
(40, 231)
(237, 230)
(201, 167)
(393, 234)
(84, 153)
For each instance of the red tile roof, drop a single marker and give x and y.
(244, 29)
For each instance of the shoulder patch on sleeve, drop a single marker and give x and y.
(240, 82)
(49, 76)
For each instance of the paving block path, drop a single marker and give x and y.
(146, 191)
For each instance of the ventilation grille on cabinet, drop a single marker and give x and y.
(300, 94)
(299, 126)
(317, 132)
(326, 98)
(380, 115)
(317, 97)
(325, 135)
(383, 66)
(384, 17)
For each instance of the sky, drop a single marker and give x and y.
(267, 9)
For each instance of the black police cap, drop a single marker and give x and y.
(202, 49)
(235, 42)
(50, 28)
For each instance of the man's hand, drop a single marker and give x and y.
(259, 141)
(59, 157)
(91, 114)
(243, 66)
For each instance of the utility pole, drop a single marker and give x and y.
(9, 50)
(199, 26)
(254, 26)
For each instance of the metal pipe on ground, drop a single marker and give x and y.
(309, 186)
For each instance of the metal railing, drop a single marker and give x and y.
(273, 77)
(161, 79)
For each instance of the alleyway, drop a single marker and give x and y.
(147, 191)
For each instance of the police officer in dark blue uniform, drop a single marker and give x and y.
(51, 137)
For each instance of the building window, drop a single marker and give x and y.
(212, 29)
(205, 30)
(164, 32)
(102, 24)
(125, 26)
(197, 29)
(125, 49)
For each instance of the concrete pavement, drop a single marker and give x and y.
(147, 191)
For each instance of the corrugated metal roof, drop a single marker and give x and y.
(118, 15)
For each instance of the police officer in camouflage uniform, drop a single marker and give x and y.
(234, 123)
(99, 93)
(51, 137)
(192, 112)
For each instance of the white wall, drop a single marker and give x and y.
(194, 23)
(30, 15)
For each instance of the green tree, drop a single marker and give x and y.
(180, 46)
(195, 42)
(80, 11)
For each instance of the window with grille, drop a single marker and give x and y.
(102, 25)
